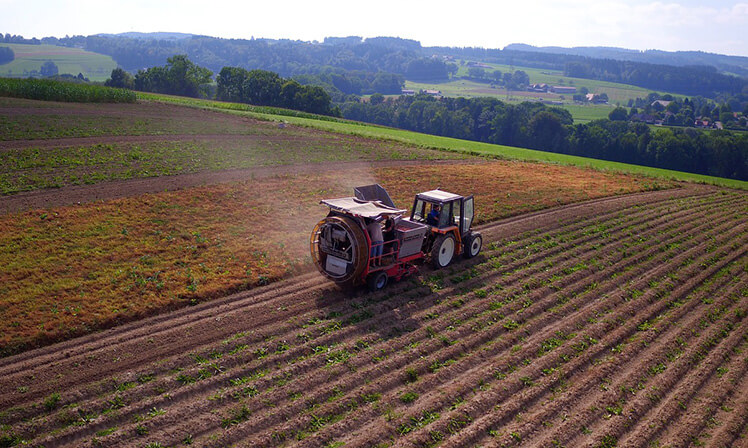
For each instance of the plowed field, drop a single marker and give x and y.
(615, 322)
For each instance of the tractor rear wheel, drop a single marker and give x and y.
(443, 251)
(377, 281)
(473, 244)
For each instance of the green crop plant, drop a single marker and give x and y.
(52, 401)
(408, 397)
(411, 375)
(607, 441)
(236, 416)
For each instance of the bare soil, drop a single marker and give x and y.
(617, 321)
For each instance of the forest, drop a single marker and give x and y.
(536, 126)
(395, 56)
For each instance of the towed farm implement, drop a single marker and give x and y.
(366, 239)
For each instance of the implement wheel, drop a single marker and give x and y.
(377, 281)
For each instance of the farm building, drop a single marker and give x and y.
(563, 89)
(538, 87)
(595, 98)
(662, 103)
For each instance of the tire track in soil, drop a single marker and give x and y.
(566, 318)
(498, 232)
(82, 194)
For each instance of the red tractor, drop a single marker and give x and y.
(345, 246)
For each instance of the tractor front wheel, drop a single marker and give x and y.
(443, 251)
(473, 244)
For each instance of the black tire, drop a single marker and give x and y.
(443, 251)
(473, 244)
(377, 281)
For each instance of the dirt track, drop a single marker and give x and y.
(619, 320)
(79, 194)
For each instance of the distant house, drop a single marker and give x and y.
(563, 89)
(662, 103)
(644, 118)
(538, 87)
(701, 123)
(433, 92)
(408, 92)
(595, 98)
(477, 64)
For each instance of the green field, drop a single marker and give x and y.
(94, 66)
(582, 113)
(445, 143)
(616, 92)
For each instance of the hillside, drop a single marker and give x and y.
(735, 65)
(391, 55)
(29, 59)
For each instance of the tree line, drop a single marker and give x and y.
(536, 126)
(264, 88)
(180, 76)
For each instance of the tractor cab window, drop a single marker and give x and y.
(469, 214)
(457, 216)
(419, 211)
(445, 217)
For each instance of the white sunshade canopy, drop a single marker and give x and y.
(366, 209)
(439, 195)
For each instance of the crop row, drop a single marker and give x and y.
(50, 90)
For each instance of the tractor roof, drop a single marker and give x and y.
(439, 196)
(367, 209)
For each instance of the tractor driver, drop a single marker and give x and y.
(433, 217)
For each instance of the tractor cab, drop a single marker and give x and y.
(450, 217)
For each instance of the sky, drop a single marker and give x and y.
(715, 26)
